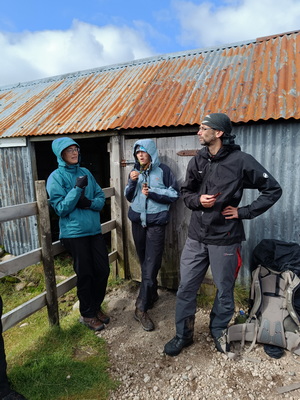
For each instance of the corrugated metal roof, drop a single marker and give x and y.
(257, 80)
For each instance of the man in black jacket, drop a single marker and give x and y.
(213, 189)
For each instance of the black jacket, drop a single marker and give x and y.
(229, 172)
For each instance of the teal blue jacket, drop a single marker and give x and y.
(63, 196)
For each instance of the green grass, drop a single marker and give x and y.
(68, 362)
(207, 294)
(241, 297)
(29, 282)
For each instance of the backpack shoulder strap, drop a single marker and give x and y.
(293, 286)
(256, 294)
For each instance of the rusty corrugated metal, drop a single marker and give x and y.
(274, 145)
(16, 187)
(257, 80)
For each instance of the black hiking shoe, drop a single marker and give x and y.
(175, 345)
(144, 319)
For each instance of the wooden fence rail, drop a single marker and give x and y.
(44, 254)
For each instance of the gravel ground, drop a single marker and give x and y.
(199, 372)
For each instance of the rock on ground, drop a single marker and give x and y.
(199, 372)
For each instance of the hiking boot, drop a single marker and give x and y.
(144, 319)
(221, 344)
(175, 345)
(93, 323)
(104, 318)
(12, 395)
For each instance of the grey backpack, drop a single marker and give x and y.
(273, 318)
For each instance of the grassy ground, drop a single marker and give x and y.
(63, 363)
(69, 362)
(44, 363)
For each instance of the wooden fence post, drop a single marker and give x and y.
(47, 254)
(117, 213)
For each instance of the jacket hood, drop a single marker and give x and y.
(59, 145)
(150, 147)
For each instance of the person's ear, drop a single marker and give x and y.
(219, 134)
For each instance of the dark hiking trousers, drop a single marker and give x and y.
(4, 385)
(196, 257)
(90, 262)
(149, 243)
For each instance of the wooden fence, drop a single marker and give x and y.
(44, 254)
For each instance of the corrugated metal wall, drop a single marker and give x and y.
(276, 147)
(16, 187)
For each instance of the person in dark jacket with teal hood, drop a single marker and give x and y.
(151, 189)
(77, 199)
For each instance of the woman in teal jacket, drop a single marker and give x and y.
(77, 199)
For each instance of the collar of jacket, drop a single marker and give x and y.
(223, 152)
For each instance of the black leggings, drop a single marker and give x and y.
(91, 266)
(149, 243)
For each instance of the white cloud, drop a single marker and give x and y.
(34, 55)
(207, 24)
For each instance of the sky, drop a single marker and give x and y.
(42, 38)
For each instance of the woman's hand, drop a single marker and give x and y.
(134, 175)
(145, 189)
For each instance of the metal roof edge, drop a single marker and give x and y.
(269, 37)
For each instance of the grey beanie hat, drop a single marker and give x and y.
(218, 121)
